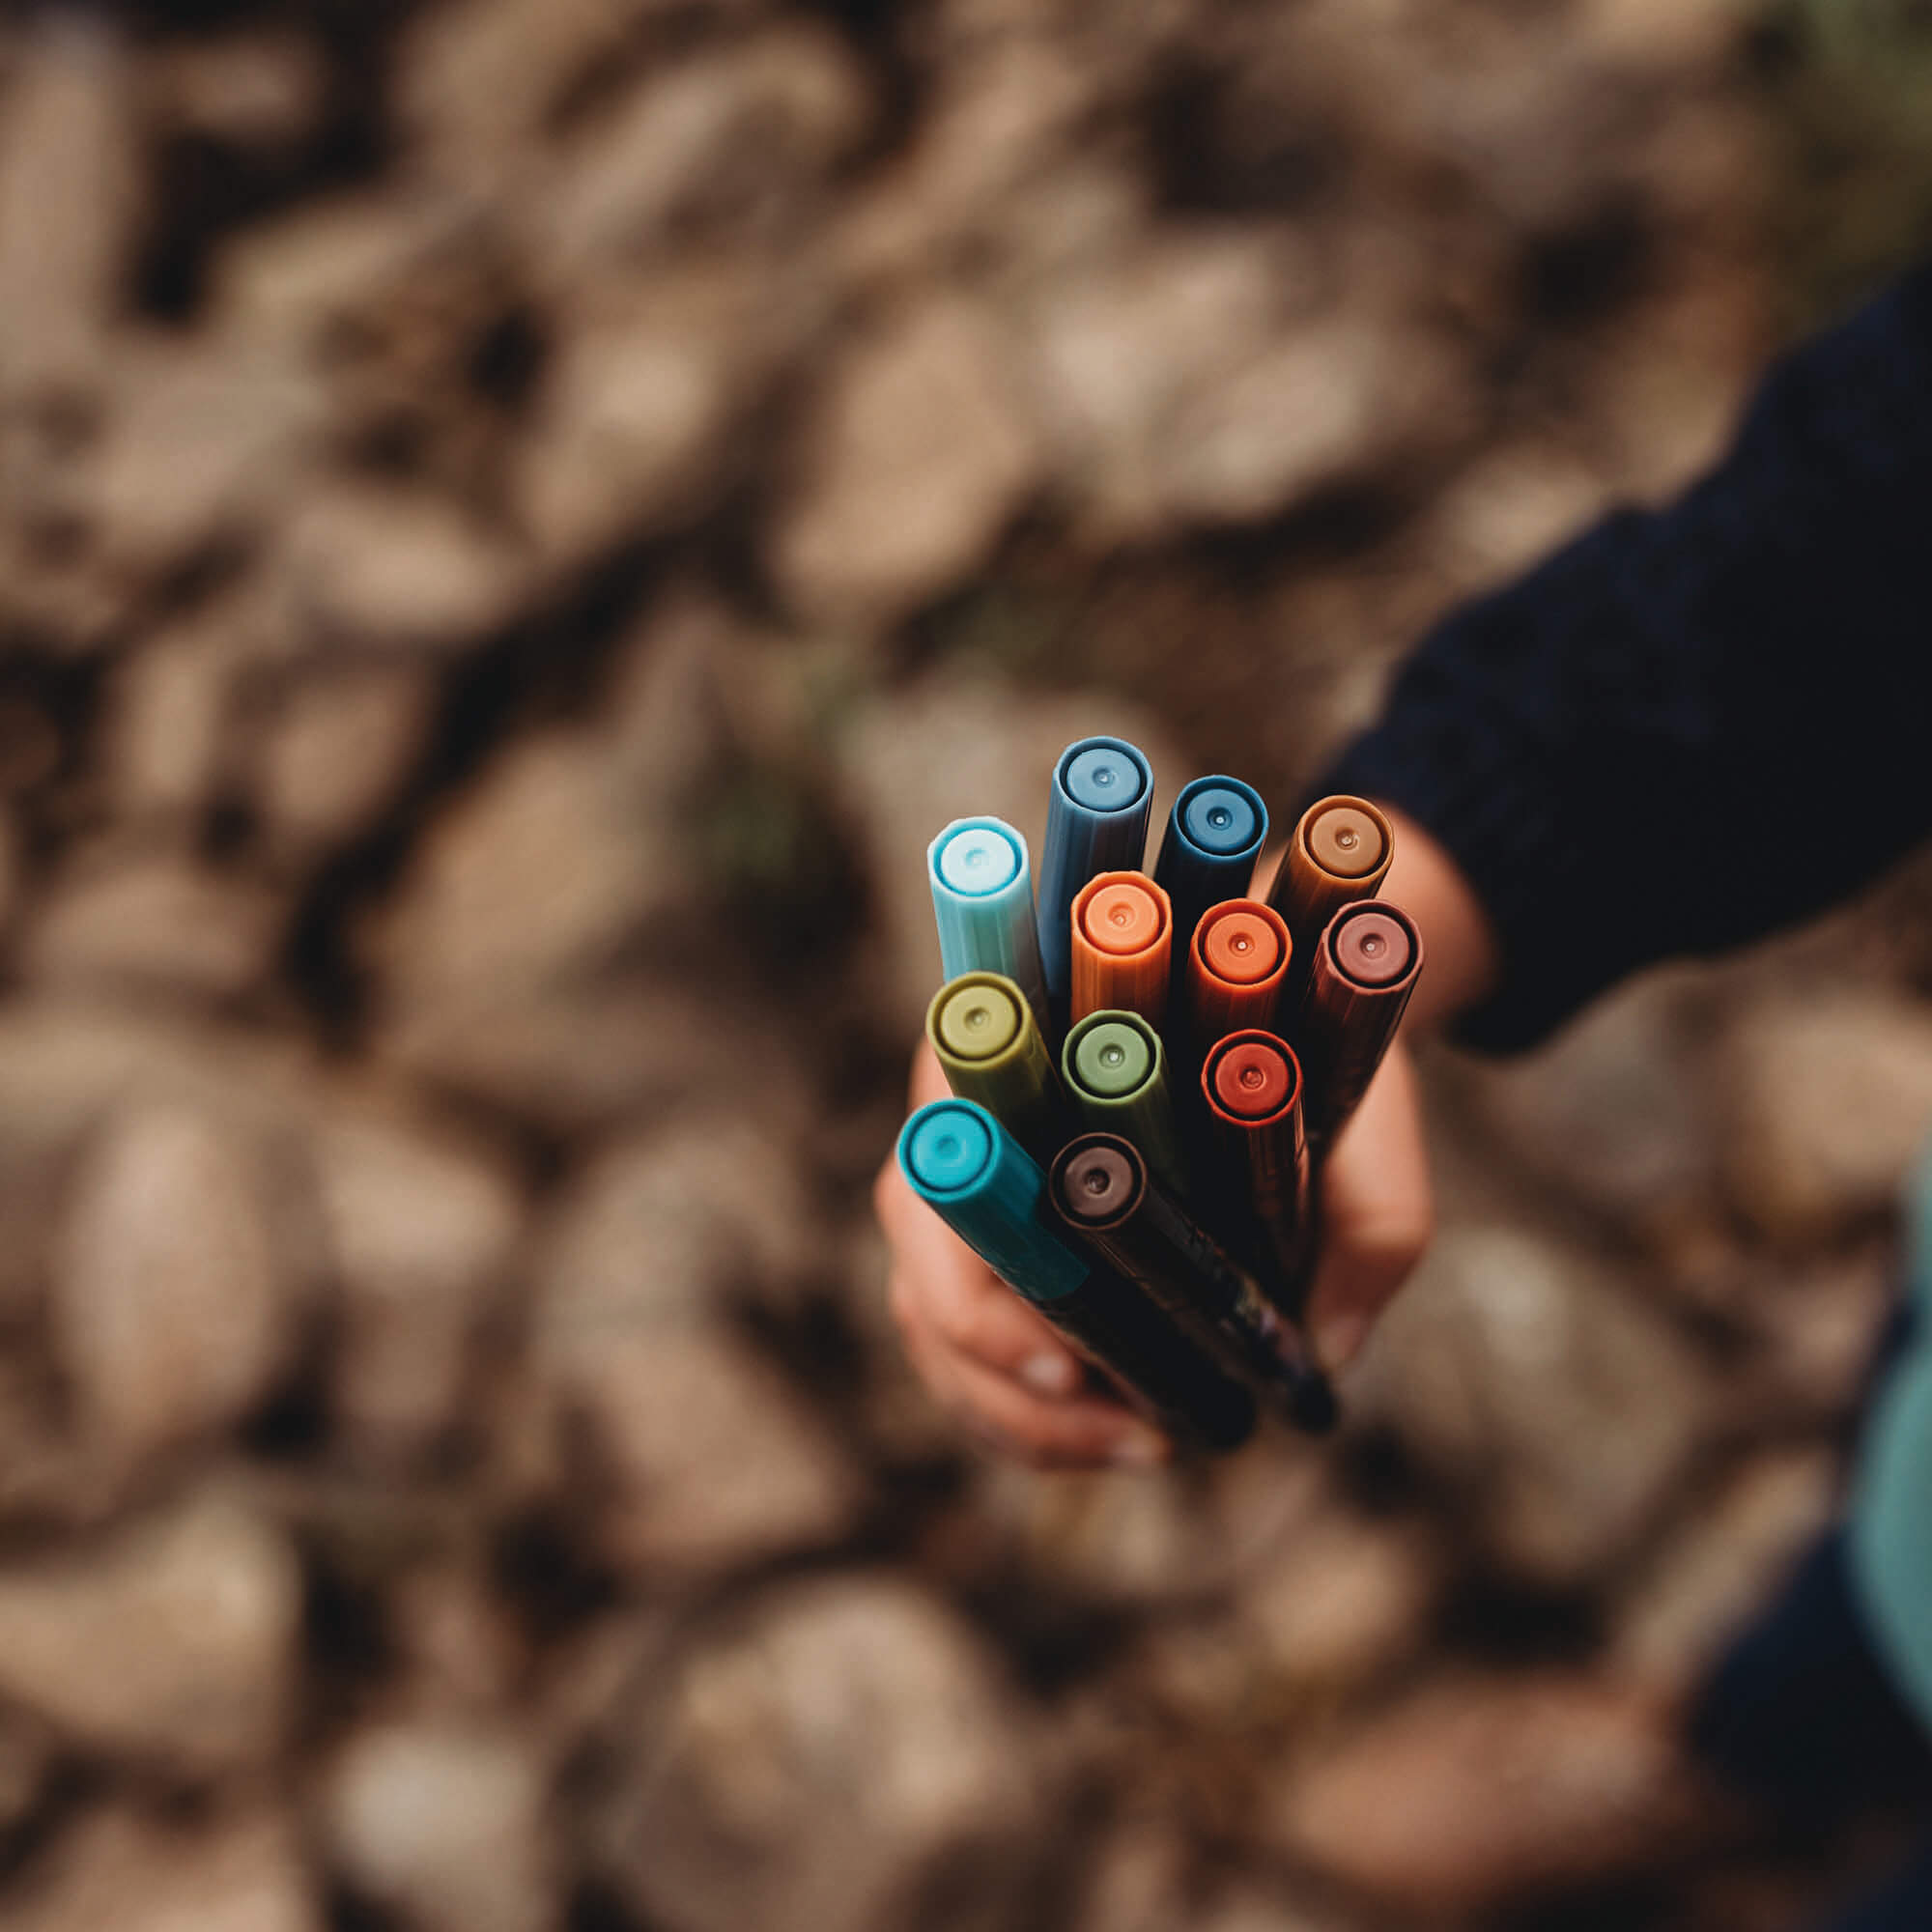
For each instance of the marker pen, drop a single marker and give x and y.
(1364, 968)
(1253, 1087)
(1340, 853)
(1116, 1073)
(1214, 835)
(1096, 821)
(1122, 935)
(1099, 1187)
(990, 1192)
(1237, 968)
(982, 899)
(990, 1047)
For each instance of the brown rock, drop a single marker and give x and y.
(242, 1873)
(837, 1759)
(1528, 1374)
(445, 1824)
(738, 138)
(918, 453)
(155, 922)
(1863, 1063)
(629, 432)
(1471, 1792)
(168, 1307)
(338, 749)
(420, 1229)
(1696, 1593)
(175, 1640)
(397, 567)
(68, 179)
(264, 88)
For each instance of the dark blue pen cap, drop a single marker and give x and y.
(1096, 821)
(1214, 835)
(989, 1190)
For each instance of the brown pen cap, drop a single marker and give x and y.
(1122, 943)
(1340, 853)
(1360, 978)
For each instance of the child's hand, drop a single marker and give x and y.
(1009, 1379)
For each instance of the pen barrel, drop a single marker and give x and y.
(1252, 1088)
(1351, 1009)
(1122, 931)
(990, 1192)
(1114, 1066)
(1340, 853)
(1236, 970)
(1214, 833)
(991, 1048)
(1096, 821)
(1104, 1197)
(983, 905)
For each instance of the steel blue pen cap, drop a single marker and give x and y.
(1096, 821)
(1214, 835)
(989, 1190)
(982, 901)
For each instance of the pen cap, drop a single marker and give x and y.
(982, 901)
(1237, 968)
(992, 1050)
(1253, 1087)
(1214, 835)
(989, 1190)
(1360, 978)
(1096, 821)
(1122, 934)
(1340, 853)
(1115, 1068)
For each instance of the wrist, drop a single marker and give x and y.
(1461, 958)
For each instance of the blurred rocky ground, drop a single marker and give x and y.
(517, 519)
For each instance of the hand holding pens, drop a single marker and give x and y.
(1138, 962)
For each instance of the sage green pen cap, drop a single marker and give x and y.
(1116, 1073)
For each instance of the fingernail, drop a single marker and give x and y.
(1339, 1338)
(1138, 1451)
(1050, 1374)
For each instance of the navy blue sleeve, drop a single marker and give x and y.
(1694, 726)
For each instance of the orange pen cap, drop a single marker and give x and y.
(1237, 968)
(1122, 947)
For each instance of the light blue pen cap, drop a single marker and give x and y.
(989, 1190)
(1096, 821)
(982, 901)
(1214, 835)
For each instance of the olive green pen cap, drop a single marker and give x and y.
(983, 1029)
(1116, 1073)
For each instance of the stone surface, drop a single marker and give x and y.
(169, 1308)
(1809, 1173)
(918, 453)
(135, 921)
(844, 1755)
(240, 1873)
(175, 1640)
(421, 1227)
(1472, 1791)
(1531, 1377)
(339, 748)
(442, 1823)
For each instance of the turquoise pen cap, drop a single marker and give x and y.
(1214, 835)
(1096, 821)
(989, 1191)
(982, 901)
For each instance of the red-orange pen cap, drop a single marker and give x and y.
(1122, 934)
(1237, 968)
(1252, 1077)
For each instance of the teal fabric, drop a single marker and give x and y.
(1890, 1530)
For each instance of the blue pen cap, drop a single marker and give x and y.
(982, 901)
(1096, 821)
(1214, 835)
(989, 1190)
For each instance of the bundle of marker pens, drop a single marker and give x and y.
(1147, 1071)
